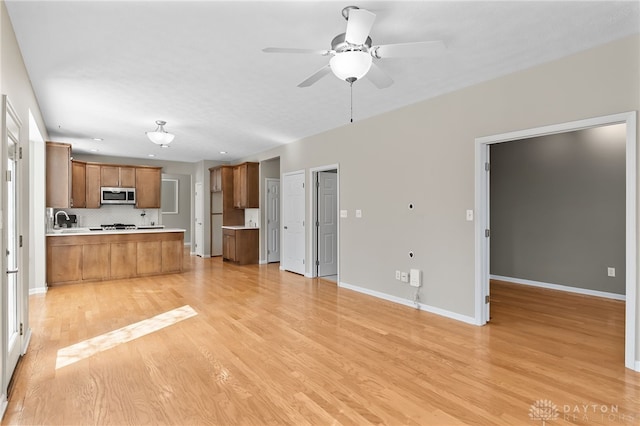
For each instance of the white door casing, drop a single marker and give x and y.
(12, 290)
(199, 213)
(327, 223)
(482, 218)
(293, 215)
(273, 220)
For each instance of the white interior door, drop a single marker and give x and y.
(199, 213)
(327, 223)
(273, 220)
(12, 291)
(293, 213)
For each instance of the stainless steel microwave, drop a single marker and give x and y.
(110, 195)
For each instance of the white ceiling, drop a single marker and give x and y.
(109, 69)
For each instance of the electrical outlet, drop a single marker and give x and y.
(404, 277)
(398, 275)
(470, 215)
(611, 272)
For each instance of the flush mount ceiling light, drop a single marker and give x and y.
(160, 136)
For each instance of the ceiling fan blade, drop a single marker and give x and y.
(378, 77)
(359, 25)
(407, 50)
(316, 76)
(294, 50)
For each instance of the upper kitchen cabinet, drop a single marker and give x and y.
(92, 186)
(78, 184)
(246, 186)
(58, 174)
(216, 179)
(118, 176)
(148, 180)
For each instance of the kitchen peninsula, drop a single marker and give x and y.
(78, 255)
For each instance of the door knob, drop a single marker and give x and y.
(286, 227)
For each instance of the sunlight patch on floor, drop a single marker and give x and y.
(90, 347)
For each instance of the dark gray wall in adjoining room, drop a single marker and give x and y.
(557, 208)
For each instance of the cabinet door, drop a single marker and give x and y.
(216, 180)
(58, 173)
(127, 177)
(123, 260)
(64, 264)
(247, 246)
(95, 262)
(245, 186)
(149, 257)
(78, 184)
(172, 256)
(148, 188)
(239, 187)
(92, 186)
(110, 176)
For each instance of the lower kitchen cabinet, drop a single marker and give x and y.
(149, 257)
(64, 264)
(123, 260)
(172, 256)
(83, 258)
(94, 266)
(240, 245)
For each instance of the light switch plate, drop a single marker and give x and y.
(344, 213)
(469, 215)
(358, 213)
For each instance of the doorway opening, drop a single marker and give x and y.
(325, 230)
(482, 205)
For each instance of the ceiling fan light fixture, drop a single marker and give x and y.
(160, 136)
(350, 64)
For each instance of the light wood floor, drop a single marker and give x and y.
(269, 347)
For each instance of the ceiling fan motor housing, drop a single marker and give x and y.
(339, 44)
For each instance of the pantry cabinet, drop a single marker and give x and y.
(246, 186)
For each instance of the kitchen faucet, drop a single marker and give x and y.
(55, 222)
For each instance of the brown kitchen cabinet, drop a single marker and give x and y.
(123, 260)
(94, 266)
(216, 179)
(118, 176)
(92, 186)
(240, 245)
(148, 181)
(58, 174)
(99, 257)
(78, 184)
(246, 186)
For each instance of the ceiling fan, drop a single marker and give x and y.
(352, 53)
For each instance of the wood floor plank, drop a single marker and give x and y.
(269, 347)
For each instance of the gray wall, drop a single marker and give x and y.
(558, 208)
(183, 218)
(425, 154)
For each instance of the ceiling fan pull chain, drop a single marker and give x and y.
(351, 89)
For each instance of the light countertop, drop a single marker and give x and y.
(236, 227)
(65, 232)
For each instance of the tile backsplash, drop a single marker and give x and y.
(114, 214)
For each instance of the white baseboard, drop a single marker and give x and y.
(308, 275)
(262, 262)
(38, 290)
(560, 287)
(637, 366)
(406, 302)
